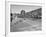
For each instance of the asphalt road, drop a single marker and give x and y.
(26, 24)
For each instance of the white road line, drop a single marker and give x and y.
(26, 22)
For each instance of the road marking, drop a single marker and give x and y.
(26, 22)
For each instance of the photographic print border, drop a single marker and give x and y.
(7, 26)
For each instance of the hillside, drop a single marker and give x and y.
(31, 14)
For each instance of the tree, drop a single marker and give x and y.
(22, 12)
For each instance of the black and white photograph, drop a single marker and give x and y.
(25, 18)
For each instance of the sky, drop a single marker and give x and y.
(27, 8)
